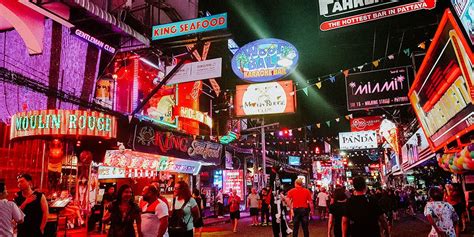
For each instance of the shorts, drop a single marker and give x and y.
(235, 215)
(253, 211)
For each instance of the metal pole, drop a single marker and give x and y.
(42, 165)
(210, 114)
(264, 158)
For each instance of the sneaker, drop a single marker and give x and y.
(220, 217)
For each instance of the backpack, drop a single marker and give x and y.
(176, 224)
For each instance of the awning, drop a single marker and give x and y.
(104, 15)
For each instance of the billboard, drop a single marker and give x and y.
(357, 140)
(193, 26)
(233, 179)
(265, 60)
(365, 123)
(196, 71)
(342, 13)
(441, 94)
(265, 98)
(465, 11)
(376, 89)
(415, 149)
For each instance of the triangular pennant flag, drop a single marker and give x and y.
(272, 133)
(360, 67)
(347, 117)
(318, 125)
(328, 123)
(309, 127)
(130, 118)
(299, 129)
(391, 56)
(337, 120)
(346, 73)
(422, 45)
(318, 84)
(305, 90)
(407, 51)
(376, 63)
(332, 79)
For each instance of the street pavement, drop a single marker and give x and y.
(407, 227)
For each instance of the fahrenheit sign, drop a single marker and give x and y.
(210, 23)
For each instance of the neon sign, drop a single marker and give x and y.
(91, 39)
(63, 122)
(265, 60)
(230, 137)
(195, 115)
(210, 23)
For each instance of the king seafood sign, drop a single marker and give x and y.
(265, 60)
(375, 89)
(342, 13)
(150, 140)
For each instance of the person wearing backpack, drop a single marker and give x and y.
(184, 210)
(363, 214)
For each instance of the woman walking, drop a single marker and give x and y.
(198, 223)
(184, 210)
(336, 211)
(122, 213)
(440, 215)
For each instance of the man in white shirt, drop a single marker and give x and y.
(154, 214)
(8, 211)
(323, 199)
(220, 204)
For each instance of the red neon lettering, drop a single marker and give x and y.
(205, 23)
(213, 22)
(184, 28)
(221, 20)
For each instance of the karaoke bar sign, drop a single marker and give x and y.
(63, 123)
(149, 139)
(343, 13)
(375, 89)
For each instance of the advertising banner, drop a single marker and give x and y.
(195, 115)
(193, 26)
(265, 98)
(342, 13)
(265, 60)
(357, 140)
(63, 123)
(465, 11)
(106, 172)
(144, 161)
(442, 93)
(105, 92)
(376, 89)
(196, 71)
(233, 179)
(151, 140)
(369, 123)
(415, 149)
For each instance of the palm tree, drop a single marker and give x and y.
(352, 85)
(400, 79)
(242, 59)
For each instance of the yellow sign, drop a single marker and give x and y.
(195, 115)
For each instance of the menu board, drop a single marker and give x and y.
(233, 179)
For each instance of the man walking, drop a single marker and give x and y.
(35, 207)
(252, 204)
(363, 214)
(265, 206)
(8, 211)
(323, 199)
(302, 205)
(234, 208)
(154, 214)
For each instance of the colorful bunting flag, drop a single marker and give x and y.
(391, 56)
(346, 73)
(332, 78)
(376, 63)
(407, 51)
(309, 127)
(305, 90)
(360, 67)
(422, 45)
(328, 123)
(299, 129)
(337, 120)
(318, 125)
(318, 84)
(272, 133)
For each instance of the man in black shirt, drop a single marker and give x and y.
(363, 214)
(35, 207)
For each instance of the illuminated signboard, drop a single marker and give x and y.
(63, 123)
(365, 123)
(442, 93)
(342, 13)
(265, 60)
(379, 88)
(230, 137)
(91, 39)
(204, 24)
(415, 149)
(265, 98)
(357, 140)
(233, 179)
(137, 160)
(196, 71)
(294, 160)
(106, 172)
(195, 115)
(465, 12)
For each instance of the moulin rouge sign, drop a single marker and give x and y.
(63, 123)
(343, 13)
(148, 139)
